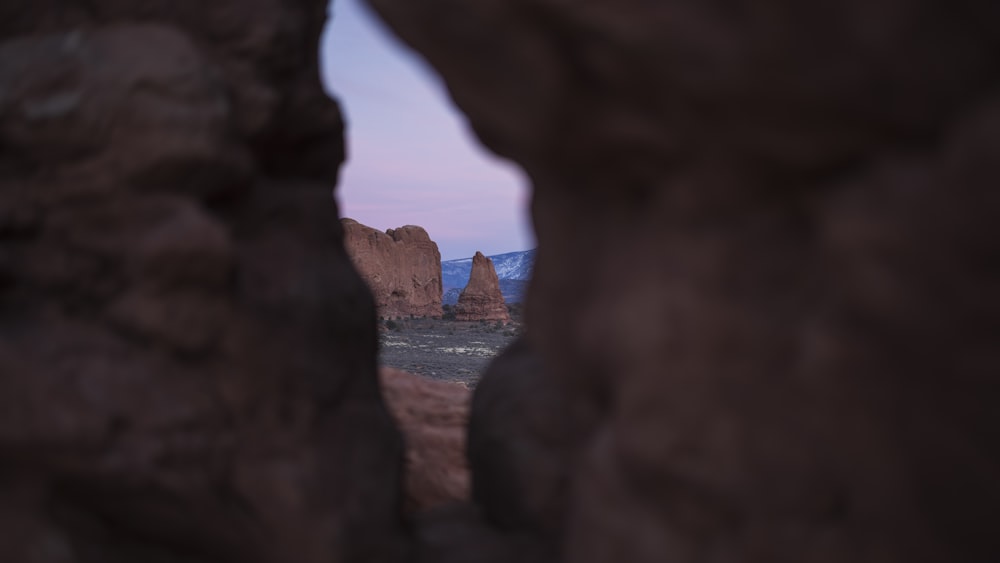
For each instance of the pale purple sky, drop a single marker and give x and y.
(412, 160)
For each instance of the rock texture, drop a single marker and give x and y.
(187, 357)
(801, 364)
(481, 300)
(401, 266)
(433, 416)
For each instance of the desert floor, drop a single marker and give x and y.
(443, 349)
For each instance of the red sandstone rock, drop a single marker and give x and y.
(433, 416)
(187, 357)
(762, 326)
(481, 300)
(764, 312)
(401, 266)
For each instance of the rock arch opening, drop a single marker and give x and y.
(411, 157)
(421, 198)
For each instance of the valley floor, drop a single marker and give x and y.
(442, 349)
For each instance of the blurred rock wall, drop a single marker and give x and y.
(187, 357)
(800, 365)
(764, 313)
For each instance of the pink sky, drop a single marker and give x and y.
(411, 158)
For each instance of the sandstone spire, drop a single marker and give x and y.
(481, 299)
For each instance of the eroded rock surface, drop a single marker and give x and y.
(764, 302)
(187, 357)
(401, 266)
(800, 365)
(433, 416)
(481, 300)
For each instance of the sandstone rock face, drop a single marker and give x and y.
(481, 300)
(433, 416)
(187, 357)
(401, 266)
(801, 364)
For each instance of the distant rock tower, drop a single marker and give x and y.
(481, 299)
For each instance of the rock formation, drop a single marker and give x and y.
(401, 266)
(433, 416)
(801, 364)
(481, 299)
(187, 357)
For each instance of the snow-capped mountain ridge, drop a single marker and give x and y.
(514, 265)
